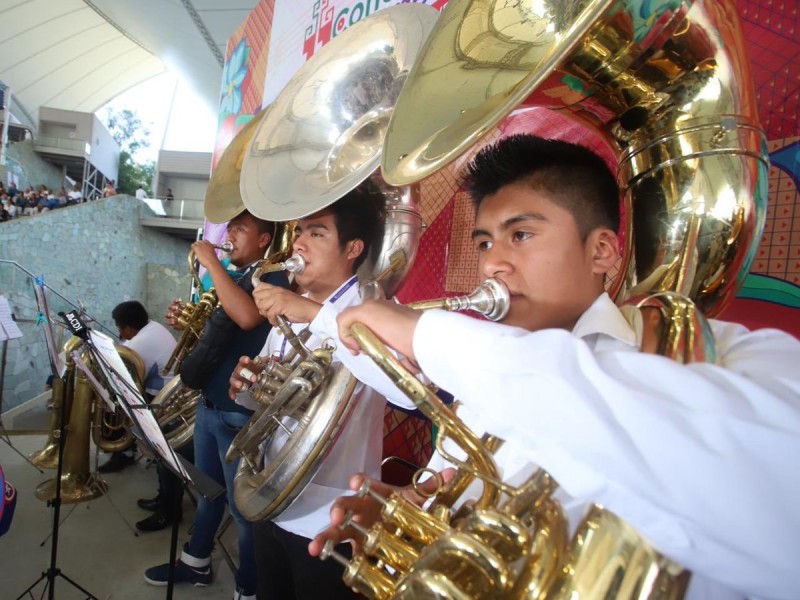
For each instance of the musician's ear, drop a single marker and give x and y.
(354, 248)
(264, 239)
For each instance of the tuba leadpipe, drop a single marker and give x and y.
(227, 248)
(490, 299)
(294, 264)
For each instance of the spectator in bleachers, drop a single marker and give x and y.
(109, 190)
(74, 196)
(31, 202)
(5, 205)
(12, 190)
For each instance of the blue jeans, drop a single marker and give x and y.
(214, 431)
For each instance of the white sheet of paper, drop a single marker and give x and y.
(123, 383)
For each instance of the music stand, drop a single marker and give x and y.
(136, 408)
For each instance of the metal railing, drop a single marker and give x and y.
(178, 208)
(27, 363)
(82, 146)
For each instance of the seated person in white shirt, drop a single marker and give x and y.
(698, 458)
(149, 339)
(153, 343)
(334, 242)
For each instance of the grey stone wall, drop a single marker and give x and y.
(164, 284)
(30, 168)
(96, 253)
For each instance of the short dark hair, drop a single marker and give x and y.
(262, 225)
(574, 177)
(359, 214)
(130, 314)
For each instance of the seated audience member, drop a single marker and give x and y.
(5, 208)
(698, 458)
(74, 196)
(12, 190)
(62, 196)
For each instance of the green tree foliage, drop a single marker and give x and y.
(130, 133)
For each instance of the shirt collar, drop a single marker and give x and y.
(604, 318)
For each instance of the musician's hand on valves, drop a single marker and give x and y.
(173, 313)
(272, 301)
(393, 323)
(245, 374)
(365, 510)
(205, 253)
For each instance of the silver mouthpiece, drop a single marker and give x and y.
(294, 264)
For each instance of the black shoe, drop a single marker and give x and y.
(155, 522)
(117, 462)
(152, 504)
(197, 576)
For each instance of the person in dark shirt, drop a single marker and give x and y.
(234, 329)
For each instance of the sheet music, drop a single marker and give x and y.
(9, 330)
(57, 362)
(118, 376)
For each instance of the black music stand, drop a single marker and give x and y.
(140, 413)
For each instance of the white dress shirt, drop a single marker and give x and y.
(359, 447)
(700, 459)
(154, 343)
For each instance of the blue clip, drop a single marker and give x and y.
(39, 280)
(39, 318)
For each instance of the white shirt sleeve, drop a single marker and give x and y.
(362, 366)
(701, 458)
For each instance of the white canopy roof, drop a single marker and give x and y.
(79, 54)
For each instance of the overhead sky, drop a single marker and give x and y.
(192, 125)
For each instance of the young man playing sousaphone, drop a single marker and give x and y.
(698, 458)
(333, 242)
(234, 328)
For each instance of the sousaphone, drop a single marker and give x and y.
(667, 86)
(321, 139)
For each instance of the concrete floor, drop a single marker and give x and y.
(98, 547)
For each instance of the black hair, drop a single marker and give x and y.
(130, 314)
(359, 214)
(262, 225)
(573, 177)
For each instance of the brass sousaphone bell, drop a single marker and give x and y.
(321, 139)
(668, 88)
